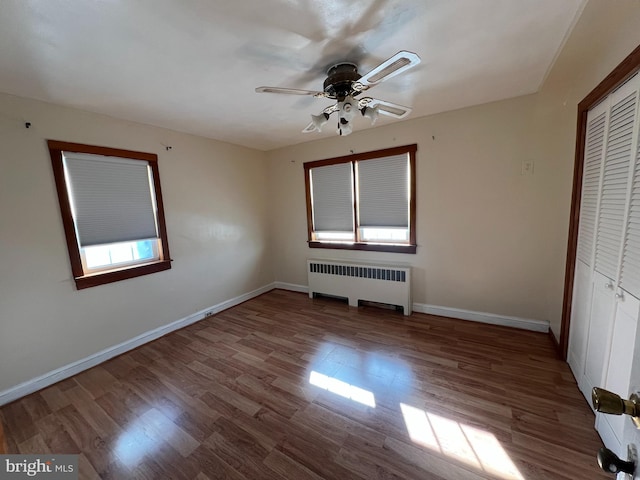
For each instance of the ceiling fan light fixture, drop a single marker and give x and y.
(319, 120)
(344, 84)
(344, 129)
(370, 113)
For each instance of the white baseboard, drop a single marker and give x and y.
(292, 287)
(491, 318)
(74, 368)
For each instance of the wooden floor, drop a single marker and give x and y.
(287, 387)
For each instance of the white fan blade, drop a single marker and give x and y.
(290, 91)
(386, 108)
(400, 62)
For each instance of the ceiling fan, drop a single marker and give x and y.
(344, 84)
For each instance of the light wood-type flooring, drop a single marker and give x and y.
(284, 387)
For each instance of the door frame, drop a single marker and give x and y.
(619, 75)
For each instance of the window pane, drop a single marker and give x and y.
(336, 236)
(101, 257)
(144, 249)
(384, 234)
(383, 190)
(97, 256)
(121, 253)
(332, 197)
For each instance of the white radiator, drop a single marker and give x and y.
(357, 281)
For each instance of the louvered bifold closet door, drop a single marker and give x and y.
(597, 126)
(630, 271)
(615, 180)
(594, 151)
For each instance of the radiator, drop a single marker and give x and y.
(356, 281)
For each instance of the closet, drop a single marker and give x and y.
(606, 294)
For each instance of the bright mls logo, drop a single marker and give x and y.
(50, 467)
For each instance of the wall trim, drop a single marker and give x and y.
(482, 317)
(66, 371)
(556, 344)
(291, 287)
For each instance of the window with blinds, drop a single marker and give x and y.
(111, 206)
(332, 194)
(363, 201)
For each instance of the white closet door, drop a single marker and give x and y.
(602, 308)
(620, 362)
(617, 168)
(630, 270)
(609, 230)
(597, 125)
(623, 335)
(582, 290)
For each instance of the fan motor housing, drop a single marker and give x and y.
(339, 80)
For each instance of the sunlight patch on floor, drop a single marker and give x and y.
(343, 389)
(470, 445)
(133, 445)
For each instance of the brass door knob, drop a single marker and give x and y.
(608, 402)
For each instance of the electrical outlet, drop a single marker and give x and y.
(208, 314)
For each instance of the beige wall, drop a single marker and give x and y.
(215, 203)
(490, 239)
(478, 218)
(607, 31)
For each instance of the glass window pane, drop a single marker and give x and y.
(384, 234)
(97, 256)
(121, 252)
(144, 249)
(335, 236)
(102, 257)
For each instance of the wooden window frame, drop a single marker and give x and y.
(629, 66)
(359, 245)
(82, 280)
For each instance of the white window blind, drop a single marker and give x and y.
(591, 182)
(614, 183)
(332, 197)
(111, 197)
(383, 192)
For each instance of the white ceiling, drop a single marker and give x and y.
(192, 65)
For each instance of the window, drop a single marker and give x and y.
(364, 201)
(111, 207)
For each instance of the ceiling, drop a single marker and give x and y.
(193, 65)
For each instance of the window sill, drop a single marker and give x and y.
(111, 276)
(371, 247)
